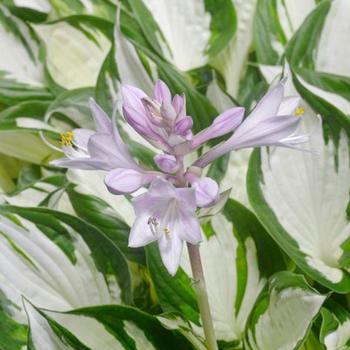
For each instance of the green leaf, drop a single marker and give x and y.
(302, 199)
(335, 328)
(283, 313)
(71, 110)
(75, 48)
(100, 8)
(98, 213)
(315, 54)
(186, 33)
(111, 327)
(57, 261)
(21, 71)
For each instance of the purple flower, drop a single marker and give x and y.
(166, 214)
(167, 211)
(105, 150)
(273, 122)
(162, 120)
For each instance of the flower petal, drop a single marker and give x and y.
(166, 163)
(269, 104)
(271, 131)
(179, 104)
(289, 105)
(132, 97)
(102, 121)
(162, 93)
(207, 191)
(81, 137)
(119, 181)
(223, 124)
(170, 248)
(140, 233)
(183, 125)
(190, 230)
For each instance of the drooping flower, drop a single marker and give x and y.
(166, 214)
(273, 122)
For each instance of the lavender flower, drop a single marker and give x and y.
(167, 211)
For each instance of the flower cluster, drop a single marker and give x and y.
(167, 211)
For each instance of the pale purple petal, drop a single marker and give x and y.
(179, 104)
(268, 106)
(162, 93)
(170, 248)
(190, 230)
(183, 125)
(187, 199)
(132, 97)
(166, 163)
(289, 105)
(102, 121)
(79, 163)
(268, 132)
(140, 233)
(81, 137)
(223, 124)
(121, 146)
(207, 191)
(120, 181)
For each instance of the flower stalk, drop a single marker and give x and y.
(202, 296)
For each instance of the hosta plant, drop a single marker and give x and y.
(174, 175)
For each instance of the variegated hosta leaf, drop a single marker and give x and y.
(57, 261)
(9, 170)
(283, 314)
(100, 8)
(236, 255)
(71, 110)
(49, 192)
(100, 214)
(21, 71)
(106, 327)
(302, 199)
(317, 56)
(275, 23)
(75, 49)
(335, 329)
(231, 62)
(19, 132)
(187, 33)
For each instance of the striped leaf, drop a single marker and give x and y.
(283, 314)
(335, 329)
(302, 199)
(56, 261)
(21, 71)
(112, 327)
(186, 33)
(236, 264)
(317, 56)
(75, 48)
(275, 23)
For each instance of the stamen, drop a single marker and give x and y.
(67, 138)
(299, 111)
(153, 224)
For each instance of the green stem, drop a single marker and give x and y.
(202, 296)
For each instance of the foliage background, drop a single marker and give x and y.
(276, 258)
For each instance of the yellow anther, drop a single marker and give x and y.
(299, 111)
(166, 231)
(67, 138)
